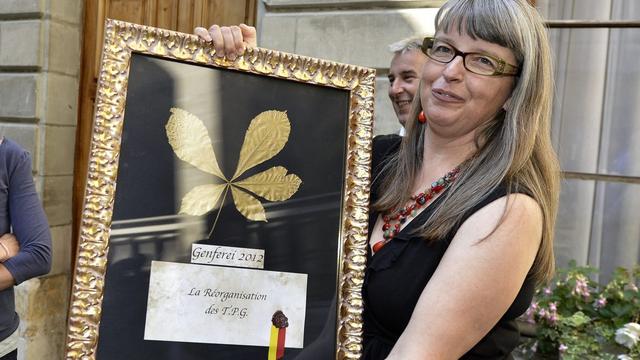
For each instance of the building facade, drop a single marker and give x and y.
(41, 45)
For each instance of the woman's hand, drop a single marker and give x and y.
(229, 41)
(9, 247)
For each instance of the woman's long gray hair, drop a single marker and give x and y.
(514, 148)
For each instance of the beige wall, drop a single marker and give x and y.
(40, 42)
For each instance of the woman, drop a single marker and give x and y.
(463, 207)
(30, 254)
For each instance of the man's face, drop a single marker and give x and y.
(404, 78)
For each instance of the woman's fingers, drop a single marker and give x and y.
(229, 44)
(237, 39)
(202, 33)
(229, 41)
(249, 35)
(218, 41)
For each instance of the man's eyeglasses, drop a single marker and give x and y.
(477, 63)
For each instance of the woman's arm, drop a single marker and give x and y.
(28, 222)
(476, 282)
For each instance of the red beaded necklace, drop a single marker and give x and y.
(400, 215)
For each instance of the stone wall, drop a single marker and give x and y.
(356, 32)
(40, 42)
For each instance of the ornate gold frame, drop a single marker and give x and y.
(121, 40)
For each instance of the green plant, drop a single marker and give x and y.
(576, 318)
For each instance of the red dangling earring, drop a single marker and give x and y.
(422, 118)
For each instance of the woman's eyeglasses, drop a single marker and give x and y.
(477, 63)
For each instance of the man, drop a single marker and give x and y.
(404, 76)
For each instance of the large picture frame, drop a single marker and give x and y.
(153, 197)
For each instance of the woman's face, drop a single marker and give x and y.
(457, 101)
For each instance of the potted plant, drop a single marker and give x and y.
(576, 318)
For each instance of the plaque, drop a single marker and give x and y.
(225, 213)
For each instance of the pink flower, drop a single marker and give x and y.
(529, 315)
(542, 313)
(547, 291)
(582, 287)
(600, 302)
(551, 315)
(562, 348)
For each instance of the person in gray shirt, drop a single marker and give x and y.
(25, 244)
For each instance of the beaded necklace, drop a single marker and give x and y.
(399, 216)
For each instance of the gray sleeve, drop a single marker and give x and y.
(28, 222)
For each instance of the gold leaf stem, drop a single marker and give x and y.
(224, 196)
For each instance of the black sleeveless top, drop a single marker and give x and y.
(396, 276)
